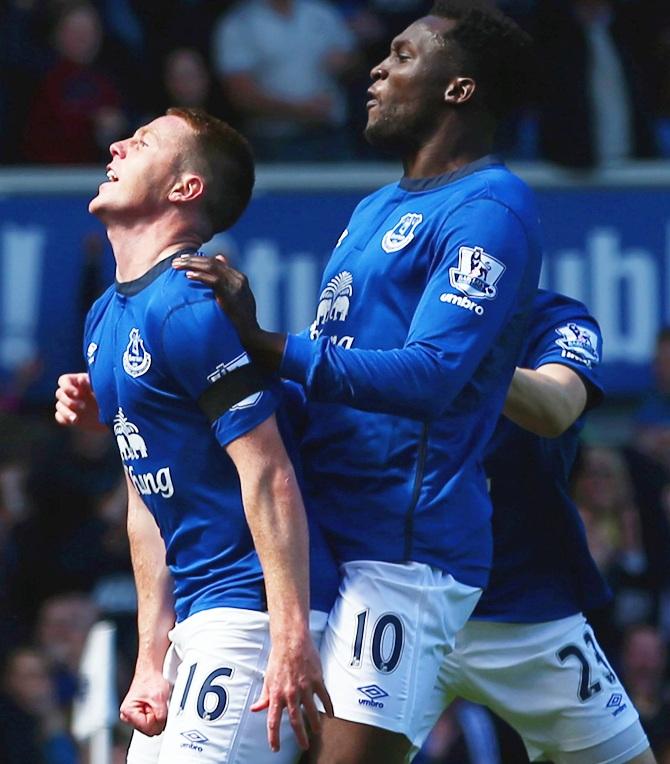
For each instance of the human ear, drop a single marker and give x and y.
(187, 188)
(460, 90)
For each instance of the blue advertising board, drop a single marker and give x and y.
(608, 247)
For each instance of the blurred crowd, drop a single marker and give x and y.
(74, 76)
(292, 74)
(64, 563)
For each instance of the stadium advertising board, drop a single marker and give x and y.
(608, 247)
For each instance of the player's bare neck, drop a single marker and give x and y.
(138, 248)
(446, 151)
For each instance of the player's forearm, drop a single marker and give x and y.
(542, 404)
(416, 381)
(276, 517)
(155, 607)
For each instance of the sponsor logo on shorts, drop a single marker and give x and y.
(616, 702)
(373, 695)
(196, 741)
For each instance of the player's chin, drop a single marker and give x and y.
(98, 205)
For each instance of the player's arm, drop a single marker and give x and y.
(276, 518)
(145, 705)
(546, 401)
(75, 402)
(445, 343)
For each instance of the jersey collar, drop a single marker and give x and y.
(427, 184)
(130, 288)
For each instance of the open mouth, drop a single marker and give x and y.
(112, 176)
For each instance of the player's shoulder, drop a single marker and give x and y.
(376, 200)
(99, 307)
(551, 308)
(172, 292)
(481, 186)
(498, 183)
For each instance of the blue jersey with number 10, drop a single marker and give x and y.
(419, 323)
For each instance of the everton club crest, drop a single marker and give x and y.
(402, 232)
(136, 359)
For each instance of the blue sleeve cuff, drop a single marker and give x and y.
(297, 358)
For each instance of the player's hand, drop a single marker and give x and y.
(292, 678)
(145, 706)
(230, 287)
(75, 402)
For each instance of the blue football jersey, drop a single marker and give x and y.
(542, 568)
(175, 386)
(420, 320)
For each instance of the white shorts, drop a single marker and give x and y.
(552, 683)
(387, 636)
(216, 664)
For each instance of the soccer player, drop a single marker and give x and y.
(190, 418)
(421, 316)
(527, 652)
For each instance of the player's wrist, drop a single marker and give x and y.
(266, 348)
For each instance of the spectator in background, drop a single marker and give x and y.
(652, 420)
(63, 623)
(592, 50)
(643, 667)
(187, 82)
(77, 110)
(24, 60)
(59, 546)
(280, 62)
(621, 533)
(32, 727)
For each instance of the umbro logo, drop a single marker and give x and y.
(193, 736)
(196, 741)
(373, 695)
(616, 702)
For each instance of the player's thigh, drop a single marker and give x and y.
(343, 742)
(386, 639)
(629, 746)
(223, 656)
(553, 684)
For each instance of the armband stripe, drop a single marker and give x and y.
(233, 387)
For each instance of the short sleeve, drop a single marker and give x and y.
(207, 361)
(574, 341)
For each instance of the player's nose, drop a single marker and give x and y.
(379, 72)
(118, 149)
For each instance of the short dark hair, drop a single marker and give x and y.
(496, 52)
(225, 159)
